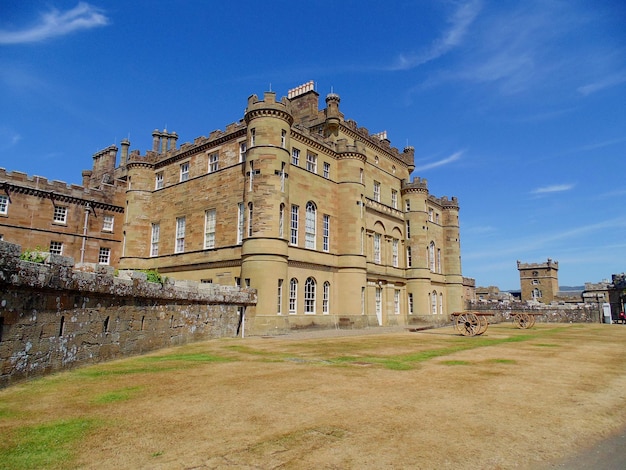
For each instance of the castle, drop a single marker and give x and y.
(315, 213)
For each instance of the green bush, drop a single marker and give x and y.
(34, 256)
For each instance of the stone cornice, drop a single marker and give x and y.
(367, 140)
(268, 112)
(58, 197)
(299, 136)
(311, 266)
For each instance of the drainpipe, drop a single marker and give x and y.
(82, 249)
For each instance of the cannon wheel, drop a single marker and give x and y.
(523, 320)
(468, 324)
(484, 324)
(532, 319)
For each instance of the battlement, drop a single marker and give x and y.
(418, 184)
(549, 264)
(18, 181)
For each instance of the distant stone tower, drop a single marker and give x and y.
(539, 281)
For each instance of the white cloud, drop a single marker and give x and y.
(555, 188)
(455, 156)
(460, 22)
(57, 23)
(607, 82)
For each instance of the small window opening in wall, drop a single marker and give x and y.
(206, 281)
(172, 321)
(247, 282)
(143, 319)
(62, 326)
(105, 328)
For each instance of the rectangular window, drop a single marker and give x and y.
(410, 304)
(283, 138)
(409, 258)
(154, 240)
(361, 175)
(279, 309)
(184, 171)
(293, 295)
(407, 205)
(158, 181)
(295, 157)
(282, 177)
(408, 229)
(104, 256)
(240, 218)
(107, 223)
(60, 215)
(294, 225)
(326, 299)
(252, 137)
(209, 229)
(379, 302)
(430, 215)
(396, 301)
(56, 248)
(326, 233)
(377, 248)
(242, 152)
(251, 174)
(394, 198)
(281, 220)
(311, 162)
(376, 191)
(180, 235)
(362, 300)
(214, 162)
(326, 170)
(394, 252)
(4, 204)
(250, 214)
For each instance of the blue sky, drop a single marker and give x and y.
(518, 108)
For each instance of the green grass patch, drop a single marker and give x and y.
(44, 446)
(116, 395)
(502, 361)
(546, 345)
(456, 363)
(185, 357)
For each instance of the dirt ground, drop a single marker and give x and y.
(510, 399)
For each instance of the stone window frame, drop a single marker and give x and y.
(240, 222)
(293, 225)
(310, 226)
(310, 287)
(56, 247)
(154, 239)
(279, 307)
(394, 198)
(326, 298)
(377, 248)
(395, 243)
(377, 191)
(295, 156)
(311, 162)
(210, 223)
(326, 171)
(293, 296)
(59, 215)
(4, 204)
(184, 171)
(214, 162)
(396, 301)
(108, 222)
(159, 181)
(104, 255)
(326, 233)
(179, 241)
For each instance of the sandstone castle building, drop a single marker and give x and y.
(315, 213)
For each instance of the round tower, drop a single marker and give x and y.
(266, 201)
(137, 222)
(452, 254)
(414, 197)
(352, 261)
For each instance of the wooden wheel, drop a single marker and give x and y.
(468, 324)
(532, 318)
(484, 324)
(522, 320)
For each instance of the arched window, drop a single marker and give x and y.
(433, 300)
(431, 256)
(536, 293)
(281, 220)
(326, 298)
(293, 295)
(309, 295)
(362, 241)
(440, 304)
(309, 226)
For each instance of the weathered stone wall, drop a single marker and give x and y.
(583, 313)
(54, 317)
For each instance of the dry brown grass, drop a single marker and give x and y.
(509, 399)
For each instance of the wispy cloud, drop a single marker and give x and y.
(555, 188)
(8, 138)
(459, 22)
(444, 161)
(57, 23)
(606, 82)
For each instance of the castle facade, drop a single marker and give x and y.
(318, 215)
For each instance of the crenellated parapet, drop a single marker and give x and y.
(268, 107)
(550, 263)
(418, 185)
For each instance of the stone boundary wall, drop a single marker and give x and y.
(54, 316)
(580, 313)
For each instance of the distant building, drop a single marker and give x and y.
(539, 281)
(492, 294)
